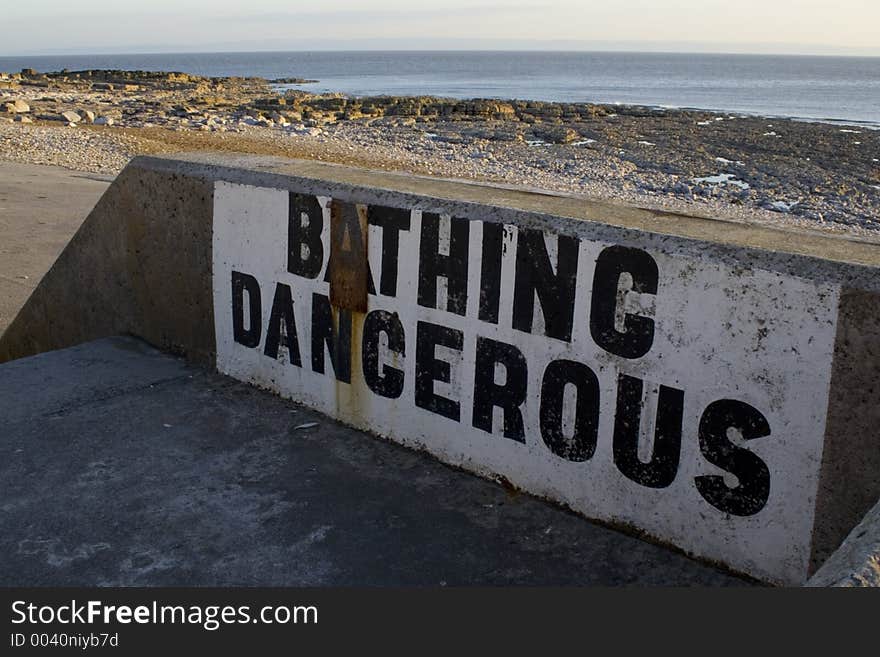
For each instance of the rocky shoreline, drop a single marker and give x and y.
(727, 165)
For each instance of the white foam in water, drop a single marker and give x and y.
(723, 179)
(704, 123)
(770, 134)
(852, 132)
(724, 160)
(647, 143)
(583, 142)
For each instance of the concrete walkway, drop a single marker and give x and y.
(123, 466)
(41, 207)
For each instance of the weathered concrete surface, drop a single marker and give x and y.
(857, 562)
(755, 344)
(813, 254)
(143, 265)
(849, 482)
(123, 466)
(119, 249)
(41, 207)
(150, 233)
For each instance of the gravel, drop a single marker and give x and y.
(80, 150)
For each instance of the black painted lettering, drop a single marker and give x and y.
(508, 396)
(490, 271)
(335, 335)
(535, 276)
(581, 445)
(453, 267)
(751, 493)
(392, 221)
(389, 382)
(305, 251)
(638, 335)
(281, 331)
(660, 471)
(250, 336)
(430, 369)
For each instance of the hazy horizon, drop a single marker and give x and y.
(761, 27)
(622, 49)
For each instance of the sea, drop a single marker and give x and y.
(835, 89)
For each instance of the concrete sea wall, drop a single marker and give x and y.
(708, 383)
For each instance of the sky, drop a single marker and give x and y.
(50, 27)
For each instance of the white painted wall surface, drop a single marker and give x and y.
(752, 335)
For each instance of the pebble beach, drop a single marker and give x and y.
(728, 166)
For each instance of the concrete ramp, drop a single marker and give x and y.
(710, 384)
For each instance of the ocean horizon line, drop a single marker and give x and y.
(559, 51)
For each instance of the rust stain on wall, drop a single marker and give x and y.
(348, 256)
